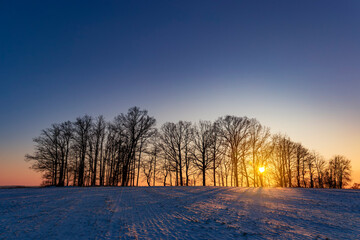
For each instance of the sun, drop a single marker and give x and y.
(261, 169)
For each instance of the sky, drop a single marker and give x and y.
(293, 65)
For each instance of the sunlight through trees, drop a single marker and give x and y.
(130, 151)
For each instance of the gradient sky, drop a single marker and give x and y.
(293, 65)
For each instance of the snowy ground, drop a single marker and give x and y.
(179, 213)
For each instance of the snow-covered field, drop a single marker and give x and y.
(179, 213)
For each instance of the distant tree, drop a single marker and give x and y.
(339, 172)
(235, 131)
(258, 140)
(96, 142)
(301, 155)
(188, 139)
(165, 170)
(148, 169)
(140, 150)
(46, 157)
(65, 138)
(283, 158)
(155, 152)
(311, 164)
(320, 166)
(133, 127)
(91, 151)
(203, 141)
(217, 150)
(174, 144)
(151, 158)
(52, 153)
(225, 169)
(82, 134)
(104, 152)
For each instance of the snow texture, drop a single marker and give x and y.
(179, 213)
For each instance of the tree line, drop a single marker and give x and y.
(131, 151)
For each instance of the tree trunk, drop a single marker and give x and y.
(138, 172)
(204, 177)
(154, 169)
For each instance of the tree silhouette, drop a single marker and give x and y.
(130, 151)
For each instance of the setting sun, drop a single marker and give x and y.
(261, 169)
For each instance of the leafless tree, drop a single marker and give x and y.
(66, 135)
(258, 140)
(96, 142)
(235, 131)
(148, 169)
(46, 156)
(217, 150)
(174, 144)
(320, 166)
(81, 137)
(339, 172)
(301, 156)
(91, 151)
(203, 141)
(283, 158)
(132, 128)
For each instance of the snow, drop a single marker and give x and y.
(179, 213)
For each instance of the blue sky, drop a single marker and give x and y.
(293, 65)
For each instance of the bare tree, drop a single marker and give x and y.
(234, 149)
(311, 162)
(155, 152)
(339, 172)
(320, 166)
(203, 141)
(234, 131)
(259, 136)
(301, 154)
(283, 158)
(96, 142)
(148, 169)
(132, 128)
(81, 137)
(66, 134)
(217, 150)
(46, 155)
(174, 144)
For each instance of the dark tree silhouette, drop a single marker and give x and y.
(46, 155)
(235, 131)
(81, 137)
(258, 140)
(174, 143)
(96, 142)
(129, 151)
(339, 170)
(203, 141)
